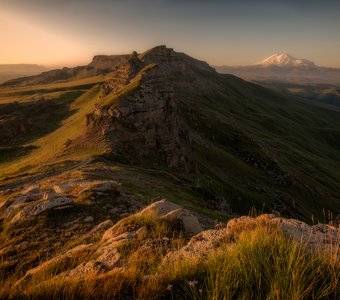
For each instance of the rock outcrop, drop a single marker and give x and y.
(110, 252)
(33, 200)
(141, 124)
(316, 237)
(138, 119)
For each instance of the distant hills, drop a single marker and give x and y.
(101, 64)
(11, 71)
(284, 68)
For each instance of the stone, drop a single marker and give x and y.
(37, 208)
(89, 219)
(169, 210)
(161, 207)
(189, 221)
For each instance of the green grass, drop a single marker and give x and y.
(265, 264)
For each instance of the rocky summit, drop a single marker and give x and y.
(151, 176)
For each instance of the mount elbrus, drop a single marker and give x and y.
(285, 68)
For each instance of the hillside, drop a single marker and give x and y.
(328, 94)
(85, 150)
(234, 142)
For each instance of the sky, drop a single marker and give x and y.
(234, 32)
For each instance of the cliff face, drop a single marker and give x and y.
(143, 122)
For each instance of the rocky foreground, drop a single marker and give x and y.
(116, 236)
(162, 233)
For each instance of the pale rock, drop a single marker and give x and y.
(89, 219)
(189, 221)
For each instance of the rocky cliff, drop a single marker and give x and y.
(143, 123)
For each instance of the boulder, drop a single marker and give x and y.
(166, 209)
(161, 207)
(190, 222)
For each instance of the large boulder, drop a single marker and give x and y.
(169, 210)
(190, 222)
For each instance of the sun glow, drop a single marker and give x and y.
(24, 42)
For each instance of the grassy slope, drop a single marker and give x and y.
(320, 93)
(225, 123)
(241, 117)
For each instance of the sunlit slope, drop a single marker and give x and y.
(50, 147)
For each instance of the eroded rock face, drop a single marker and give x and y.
(141, 124)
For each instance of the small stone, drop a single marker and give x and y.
(89, 219)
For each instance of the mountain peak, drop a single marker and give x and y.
(285, 60)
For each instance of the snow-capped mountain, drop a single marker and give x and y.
(285, 60)
(284, 68)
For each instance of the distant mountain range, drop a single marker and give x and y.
(284, 68)
(11, 71)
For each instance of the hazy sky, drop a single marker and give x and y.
(65, 32)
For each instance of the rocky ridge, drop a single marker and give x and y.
(143, 123)
(109, 254)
